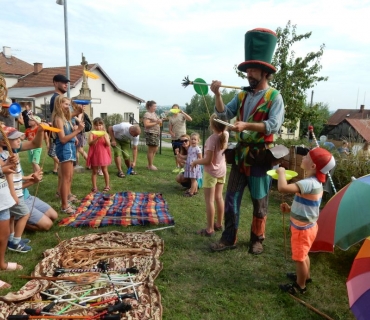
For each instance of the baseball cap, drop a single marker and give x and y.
(324, 162)
(36, 118)
(60, 78)
(11, 133)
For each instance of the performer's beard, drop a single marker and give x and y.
(253, 82)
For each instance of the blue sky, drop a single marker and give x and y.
(147, 47)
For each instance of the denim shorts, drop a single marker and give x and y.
(66, 152)
(4, 215)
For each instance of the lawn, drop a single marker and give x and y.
(196, 283)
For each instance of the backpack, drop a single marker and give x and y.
(88, 124)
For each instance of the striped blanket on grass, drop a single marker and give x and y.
(123, 209)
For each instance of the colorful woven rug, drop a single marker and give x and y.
(123, 209)
(121, 251)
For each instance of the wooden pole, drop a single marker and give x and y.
(311, 307)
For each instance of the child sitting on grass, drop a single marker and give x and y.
(304, 213)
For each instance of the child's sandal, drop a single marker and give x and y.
(72, 198)
(188, 194)
(106, 189)
(69, 210)
(94, 190)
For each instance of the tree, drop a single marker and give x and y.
(198, 106)
(317, 116)
(112, 119)
(294, 76)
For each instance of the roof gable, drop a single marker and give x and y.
(14, 66)
(362, 126)
(343, 114)
(45, 78)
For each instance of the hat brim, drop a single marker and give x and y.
(15, 135)
(267, 67)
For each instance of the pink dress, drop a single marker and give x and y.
(99, 154)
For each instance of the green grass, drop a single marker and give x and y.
(198, 284)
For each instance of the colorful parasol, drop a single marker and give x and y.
(345, 219)
(358, 283)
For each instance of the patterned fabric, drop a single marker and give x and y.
(123, 209)
(259, 114)
(123, 248)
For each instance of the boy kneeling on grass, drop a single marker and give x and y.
(304, 213)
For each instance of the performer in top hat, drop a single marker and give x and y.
(260, 110)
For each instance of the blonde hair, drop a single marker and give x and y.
(195, 134)
(219, 128)
(61, 112)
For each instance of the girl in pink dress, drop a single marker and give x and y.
(99, 154)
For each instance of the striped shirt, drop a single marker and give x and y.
(306, 204)
(17, 176)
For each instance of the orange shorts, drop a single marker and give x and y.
(301, 241)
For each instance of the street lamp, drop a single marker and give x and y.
(64, 3)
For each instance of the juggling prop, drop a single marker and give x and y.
(289, 174)
(82, 102)
(201, 86)
(91, 75)
(15, 109)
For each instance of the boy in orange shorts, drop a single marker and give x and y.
(304, 213)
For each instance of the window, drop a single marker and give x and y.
(103, 87)
(103, 116)
(126, 116)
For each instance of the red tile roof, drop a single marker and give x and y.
(362, 126)
(342, 114)
(45, 78)
(14, 66)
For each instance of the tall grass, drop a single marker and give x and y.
(196, 283)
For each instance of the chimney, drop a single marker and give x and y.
(37, 67)
(362, 108)
(7, 51)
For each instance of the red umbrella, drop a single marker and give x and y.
(358, 283)
(345, 220)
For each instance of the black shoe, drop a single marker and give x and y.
(292, 276)
(292, 288)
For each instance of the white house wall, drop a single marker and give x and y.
(111, 101)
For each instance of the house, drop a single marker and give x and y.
(37, 86)
(348, 124)
(12, 68)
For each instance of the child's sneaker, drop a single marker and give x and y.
(23, 241)
(19, 247)
(176, 170)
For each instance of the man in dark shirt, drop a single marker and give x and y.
(60, 85)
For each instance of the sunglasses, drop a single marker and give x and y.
(183, 141)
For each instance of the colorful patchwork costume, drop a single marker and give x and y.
(250, 169)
